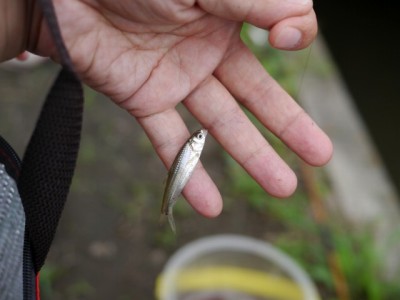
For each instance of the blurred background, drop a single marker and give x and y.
(341, 225)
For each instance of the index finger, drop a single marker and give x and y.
(247, 80)
(218, 111)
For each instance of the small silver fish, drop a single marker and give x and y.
(180, 172)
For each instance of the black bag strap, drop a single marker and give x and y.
(49, 161)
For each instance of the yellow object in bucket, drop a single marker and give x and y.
(243, 280)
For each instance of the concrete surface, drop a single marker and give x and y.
(363, 193)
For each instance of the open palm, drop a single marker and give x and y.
(149, 55)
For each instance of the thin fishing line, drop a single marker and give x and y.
(306, 64)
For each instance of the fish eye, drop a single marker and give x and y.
(200, 136)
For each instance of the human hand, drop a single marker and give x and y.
(149, 55)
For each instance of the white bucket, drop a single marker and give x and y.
(233, 267)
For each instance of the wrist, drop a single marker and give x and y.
(20, 22)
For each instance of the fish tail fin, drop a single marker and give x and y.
(171, 222)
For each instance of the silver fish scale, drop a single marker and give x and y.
(186, 161)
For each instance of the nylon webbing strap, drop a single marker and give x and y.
(49, 161)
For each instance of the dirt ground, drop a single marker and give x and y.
(110, 244)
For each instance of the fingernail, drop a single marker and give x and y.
(288, 38)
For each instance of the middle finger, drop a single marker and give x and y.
(218, 111)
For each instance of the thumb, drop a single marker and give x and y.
(261, 13)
